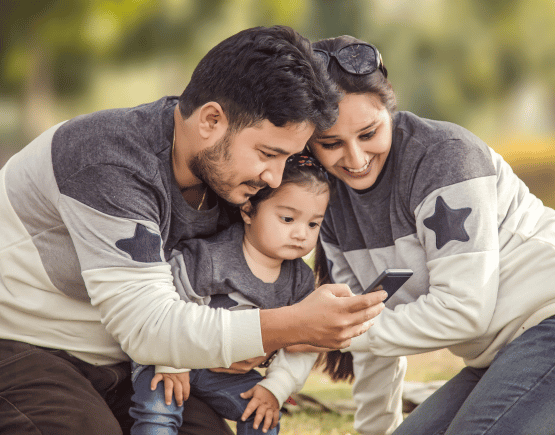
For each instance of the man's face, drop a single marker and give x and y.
(240, 164)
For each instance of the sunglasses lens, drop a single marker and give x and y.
(357, 59)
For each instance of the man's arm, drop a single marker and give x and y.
(328, 317)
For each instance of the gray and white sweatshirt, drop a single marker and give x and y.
(89, 213)
(481, 246)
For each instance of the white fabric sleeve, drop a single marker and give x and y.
(288, 373)
(168, 369)
(377, 391)
(142, 311)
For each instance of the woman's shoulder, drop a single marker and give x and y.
(410, 128)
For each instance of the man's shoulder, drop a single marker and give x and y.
(122, 137)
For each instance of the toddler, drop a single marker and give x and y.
(256, 264)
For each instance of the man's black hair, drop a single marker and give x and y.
(263, 73)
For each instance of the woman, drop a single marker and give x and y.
(432, 197)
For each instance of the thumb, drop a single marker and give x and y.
(155, 379)
(247, 394)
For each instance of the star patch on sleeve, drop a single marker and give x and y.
(144, 246)
(448, 223)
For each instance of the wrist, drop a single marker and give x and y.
(280, 328)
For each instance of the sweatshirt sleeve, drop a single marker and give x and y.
(121, 259)
(287, 373)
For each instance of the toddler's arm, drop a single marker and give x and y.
(288, 373)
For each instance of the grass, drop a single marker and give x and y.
(426, 367)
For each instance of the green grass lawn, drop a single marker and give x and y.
(421, 368)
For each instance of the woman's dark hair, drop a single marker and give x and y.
(300, 169)
(374, 83)
(338, 365)
(263, 73)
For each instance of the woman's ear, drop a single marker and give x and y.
(246, 210)
(212, 120)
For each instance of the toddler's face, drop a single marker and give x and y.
(286, 226)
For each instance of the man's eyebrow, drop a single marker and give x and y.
(276, 150)
(358, 131)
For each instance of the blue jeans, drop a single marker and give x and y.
(514, 395)
(219, 390)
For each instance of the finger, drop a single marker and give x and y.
(155, 379)
(260, 414)
(168, 391)
(365, 302)
(186, 391)
(251, 407)
(268, 420)
(276, 419)
(247, 394)
(178, 393)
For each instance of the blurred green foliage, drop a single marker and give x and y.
(488, 65)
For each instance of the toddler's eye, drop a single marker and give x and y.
(287, 219)
(313, 224)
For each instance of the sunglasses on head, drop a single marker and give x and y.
(356, 58)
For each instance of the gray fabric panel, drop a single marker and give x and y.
(433, 154)
(117, 161)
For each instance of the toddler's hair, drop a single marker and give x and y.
(300, 169)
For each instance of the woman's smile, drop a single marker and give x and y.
(356, 147)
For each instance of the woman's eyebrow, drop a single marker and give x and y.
(372, 124)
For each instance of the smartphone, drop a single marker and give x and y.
(391, 280)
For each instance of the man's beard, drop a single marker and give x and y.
(214, 167)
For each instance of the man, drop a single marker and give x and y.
(91, 208)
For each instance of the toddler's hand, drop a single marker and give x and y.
(174, 384)
(266, 406)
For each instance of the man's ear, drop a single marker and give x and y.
(246, 210)
(212, 120)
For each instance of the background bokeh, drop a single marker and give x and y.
(488, 65)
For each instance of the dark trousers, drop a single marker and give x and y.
(49, 392)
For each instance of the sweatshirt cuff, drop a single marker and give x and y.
(168, 369)
(360, 343)
(280, 386)
(244, 335)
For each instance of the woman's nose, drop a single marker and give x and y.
(355, 157)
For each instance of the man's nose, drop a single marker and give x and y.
(272, 174)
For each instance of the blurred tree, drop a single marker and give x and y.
(49, 48)
(462, 61)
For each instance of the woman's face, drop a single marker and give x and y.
(356, 147)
